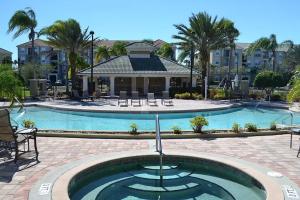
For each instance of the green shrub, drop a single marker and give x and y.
(250, 127)
(236, 128)
(28, 123)
(133, 129)
(176, 130)
(273, 126)
(186, 95)
(217, 94)
(279, 96)
(179, 90)
(197, 123)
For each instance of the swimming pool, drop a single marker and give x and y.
(55, 119)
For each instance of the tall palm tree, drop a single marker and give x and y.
(231, 33)
(269, 44)
(205, 33)
(102, 53)
(69, 36)
(293, 57)
(166, 51)
(118, 49)
(24, 21)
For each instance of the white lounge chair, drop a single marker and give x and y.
(166, 99)
(135, 98)
(151, 100)
(123, 100)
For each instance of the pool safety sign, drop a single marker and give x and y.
(45, 189)
(290, 192)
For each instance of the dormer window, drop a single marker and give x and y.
(140, 50)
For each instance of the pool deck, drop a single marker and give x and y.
(111, 105)
(268, 151)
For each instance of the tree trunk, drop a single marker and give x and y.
(67, 81)
(72, 60)
(274, 60)
(230, 63)
(32, 56)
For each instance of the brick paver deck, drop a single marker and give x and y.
(269, 151)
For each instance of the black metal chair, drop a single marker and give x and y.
(11, 138)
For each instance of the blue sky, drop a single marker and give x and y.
(152, 19)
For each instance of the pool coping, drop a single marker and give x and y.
(226, 105)
(151, 135)
(60, 177)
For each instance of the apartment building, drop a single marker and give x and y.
(5, 56)
(45, 55)
(258, 60)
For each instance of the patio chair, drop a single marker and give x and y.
(12, 138)
(151, 100)
(166, 99)
(135, 98)
(123, 98)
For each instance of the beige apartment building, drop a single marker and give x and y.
(5, 55)
(243, 63)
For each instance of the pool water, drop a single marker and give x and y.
(55, 119)
(181, 180)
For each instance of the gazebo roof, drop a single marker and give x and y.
(154, 65)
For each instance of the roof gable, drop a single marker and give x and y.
(127, 65)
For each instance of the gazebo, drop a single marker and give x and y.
(140, 70)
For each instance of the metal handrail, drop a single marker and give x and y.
(158, 137)
(290, 116)
(159, 149)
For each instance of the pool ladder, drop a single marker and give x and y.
(159, 148)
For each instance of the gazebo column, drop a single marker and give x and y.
(167, 83)
(146, 85)
(194, 82)
(112, 85)
(133, 84)
(85, 82)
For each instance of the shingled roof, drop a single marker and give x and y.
(37, 42)
(154, 65)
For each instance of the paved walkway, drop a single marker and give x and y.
(269, 151)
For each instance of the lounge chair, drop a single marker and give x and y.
(123, 98)
(166, 99)
(135, 98)
(11, 138)
(151, 100)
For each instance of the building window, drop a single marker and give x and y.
(217, 62)
(257, 55)
(217, 53)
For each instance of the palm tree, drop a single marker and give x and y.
(205, 33)
(118, 49)
(166, 51)
(24, 21)
(293, 57)
(269, 44)
(231, 33)
(68, 35)
(102, 53)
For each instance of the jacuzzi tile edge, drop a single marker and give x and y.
(59, 178)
